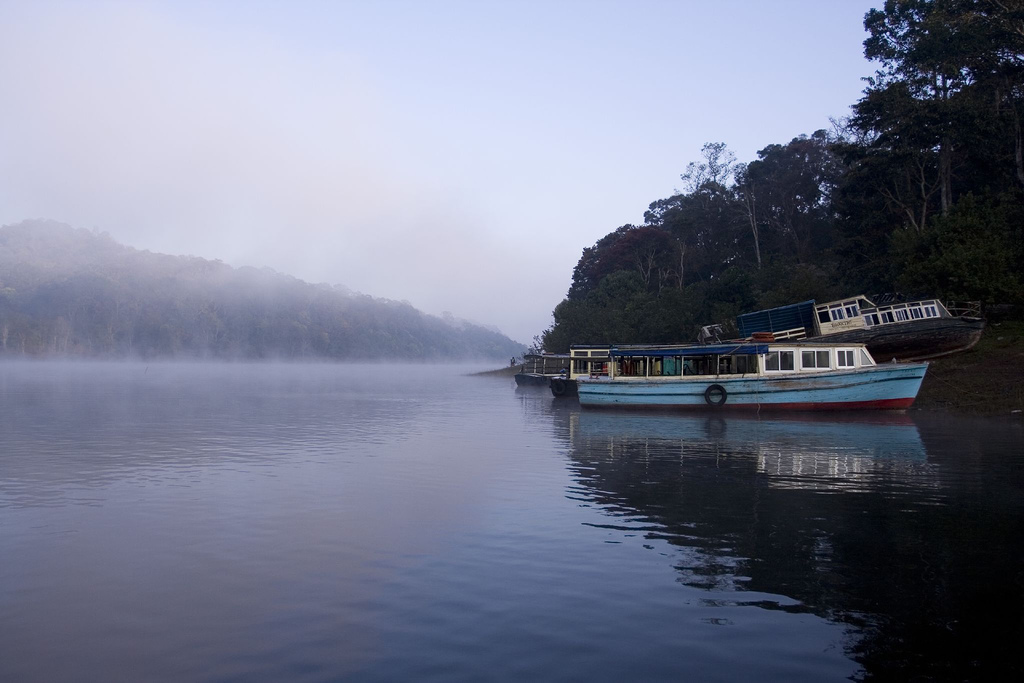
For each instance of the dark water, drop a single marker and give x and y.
(317, 523)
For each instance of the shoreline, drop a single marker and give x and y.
(987, 380)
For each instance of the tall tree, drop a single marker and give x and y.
(792, 185)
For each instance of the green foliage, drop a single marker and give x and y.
(968, 255)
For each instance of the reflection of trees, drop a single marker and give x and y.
(913, 557)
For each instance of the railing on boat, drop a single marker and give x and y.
(967, 309)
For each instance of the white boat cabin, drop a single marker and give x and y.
(745, 358)
(859, 313)
(589, 360)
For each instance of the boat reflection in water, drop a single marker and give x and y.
(852, 520)
(807, 452)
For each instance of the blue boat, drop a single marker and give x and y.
(758, 376)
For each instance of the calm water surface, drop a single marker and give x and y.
(374, 523)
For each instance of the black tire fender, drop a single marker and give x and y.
(558, 386)
(715, 395)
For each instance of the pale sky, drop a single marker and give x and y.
(458, 155)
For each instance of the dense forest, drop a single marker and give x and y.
(919, 191)
(74, 292)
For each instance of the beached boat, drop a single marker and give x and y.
(762, 376)
(538, 369)
(913, 330)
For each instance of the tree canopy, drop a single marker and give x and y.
(919, 191)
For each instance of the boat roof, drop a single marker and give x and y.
(742, 348)
(777, 319)
(739, 348)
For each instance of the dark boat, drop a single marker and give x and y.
(538, 369)
(904, 331)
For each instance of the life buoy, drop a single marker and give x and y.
(558, 386)
(715, 395)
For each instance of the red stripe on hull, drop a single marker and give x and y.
(881, 404)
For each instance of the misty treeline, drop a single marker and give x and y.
(919, 191)
(74, 292)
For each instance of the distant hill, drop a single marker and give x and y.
(75, 292)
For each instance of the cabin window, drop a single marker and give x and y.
(671, 366)
(865, 359)
(851, 311)
(916, 313)
(580, 367)
(901, 314)
(887, 317)
(815, 360)
(844, 358)
(931, 312)
(745, 364)
(779, 360)
(837, 314)
(823, 316)
(632, 367)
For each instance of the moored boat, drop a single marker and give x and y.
(538, 369)
(746, 375)
(905, 331)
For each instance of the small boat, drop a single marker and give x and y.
(904, 331)
(538, 369)
(752, 375)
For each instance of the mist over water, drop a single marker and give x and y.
(410, 522)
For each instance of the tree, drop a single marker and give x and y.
(716, 169)
(950, 83)
(793, 185)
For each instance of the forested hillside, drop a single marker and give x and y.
(919, 191)
(73, 292)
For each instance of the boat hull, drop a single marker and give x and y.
(531, 379)
(563, 388)
(914, 339)
(887, 387)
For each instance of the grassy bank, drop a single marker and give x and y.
(508, 371)
(987, 380)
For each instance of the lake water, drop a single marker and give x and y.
(245, 522)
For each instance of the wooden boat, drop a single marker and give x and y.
(748, 375)
(539, 368)
(586, 360)
(905, 331)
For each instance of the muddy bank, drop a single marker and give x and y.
(987, 380)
